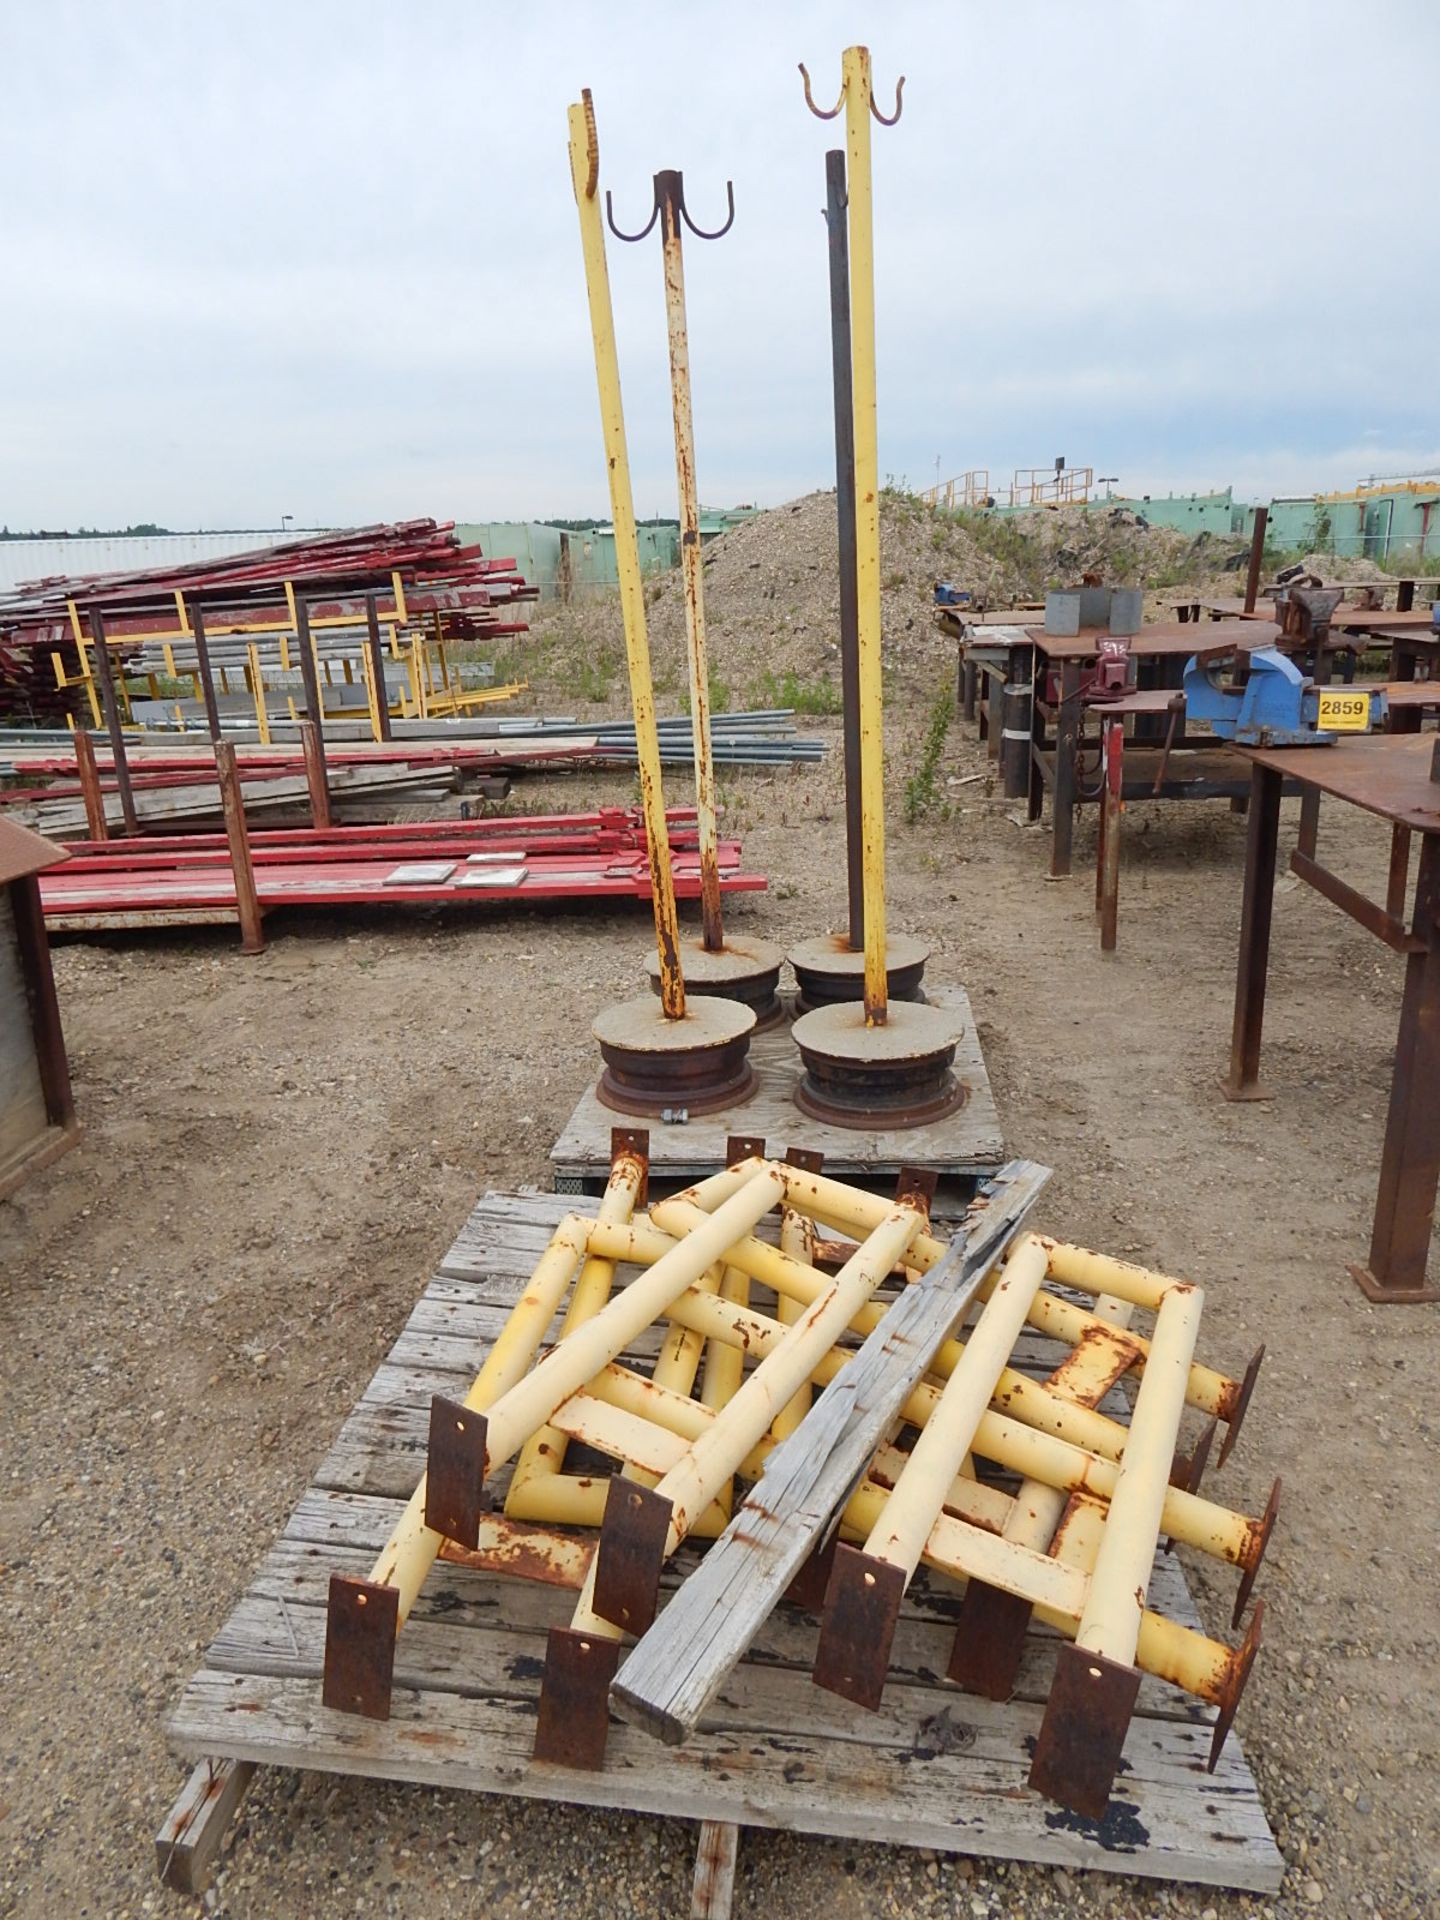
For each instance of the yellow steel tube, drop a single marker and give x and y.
(1100, 1273)
(567, 1367)
(856, 69)
(711, 1459)
(257, 689)
(585, 174)
(919, 1496)
(714, 1456)
(409, 1553)
(1110, 1623)
(797, 1238)
(544, 1451)
(690, 565)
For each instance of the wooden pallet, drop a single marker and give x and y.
(962, 1148)
(935, 1768)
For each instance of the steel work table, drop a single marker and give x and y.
(1158, 652)
(1387, 775)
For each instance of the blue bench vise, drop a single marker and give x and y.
(1274, 705)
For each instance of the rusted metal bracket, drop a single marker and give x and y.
(1235, 1686)
(1234, 1414)
(862, 1605)
(744, 1146)
(574, 1720)
(805, 1159)
(455, 1496)
(1081, 1739)
(633, 1143)
(989, 1640)
(630, 1555)
(811, 1583)
(1260, 1538)
(361, 1622)
(915, 1187)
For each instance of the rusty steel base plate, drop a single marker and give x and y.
(989, 1641)
(745, 969)
(862, 1605)
(698, 1062)
(361, 1621)
(895, 1075)
(829, 971)
(1082, 1737)
(573, 1725)
(630, 1554)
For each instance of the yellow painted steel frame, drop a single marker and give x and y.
(585, 174)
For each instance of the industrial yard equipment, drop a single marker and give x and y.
(750, 971)
(909, 1449)
(673, 1054)
(865, 1058)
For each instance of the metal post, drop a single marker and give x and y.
(670, 198)
(203, 672)
(112, 722)
(585, 174)
(232, 800)
(377, 667)
(835, 220)
(90, 790)
(1410, 1163)
(856, 67)
(314, 743)
(312, 746)
(34, 949)
(1262, 832)
(1257, 558)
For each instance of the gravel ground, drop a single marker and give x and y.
(279, 1150)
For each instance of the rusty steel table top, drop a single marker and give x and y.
(1385, 773)
(1161, 640)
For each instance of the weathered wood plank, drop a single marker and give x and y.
(715, 1854)
(929, 1790)
(193, 1831)
(677, 1668)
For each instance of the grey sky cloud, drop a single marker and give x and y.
(323, 258)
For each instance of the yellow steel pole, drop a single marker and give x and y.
(856, 95)
(669, 197)
(585, 174)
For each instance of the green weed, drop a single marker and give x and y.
(922, 791)
(789, 690)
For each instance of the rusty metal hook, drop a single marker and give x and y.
(699, 232)
(670, 192)
(888, 120)
(610, 220)
(819, 112)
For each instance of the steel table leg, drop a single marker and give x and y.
(1107, 855)
(1016, 701)
(967, 688)
(1262, 834)
(1410, 1163)
(1067, 747)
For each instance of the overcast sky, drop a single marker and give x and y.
(323, 259)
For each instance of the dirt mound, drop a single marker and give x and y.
(772, 600)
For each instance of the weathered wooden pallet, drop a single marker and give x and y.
(935, 1768)
(964, 1147)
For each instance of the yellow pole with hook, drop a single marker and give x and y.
(856, 98)
(585, 174)
(670, 209)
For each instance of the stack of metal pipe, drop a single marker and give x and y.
(833, 1414)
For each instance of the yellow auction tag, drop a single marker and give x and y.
(1343, 711)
